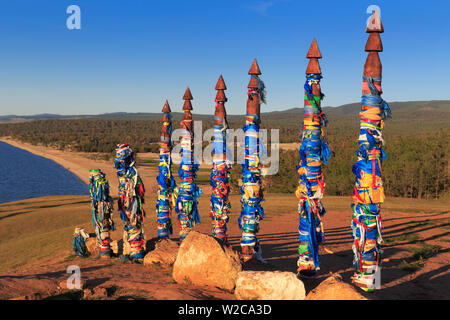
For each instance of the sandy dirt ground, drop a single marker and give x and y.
(279, 239)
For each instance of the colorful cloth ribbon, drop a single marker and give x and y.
(102, 206)
(251, 189)
(167, 188)
(131, 200)
(220, 181)
(368, 193)
(188, 192)
(313, 152)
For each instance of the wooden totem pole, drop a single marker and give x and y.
(188, 191)
(368, 194)
(251, 188)
(313, 151)
(165, 179)
(220, 174)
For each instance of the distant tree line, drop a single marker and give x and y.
(417, 167)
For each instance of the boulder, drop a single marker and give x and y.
(204, 260)
(269, 285)
(165, 252)
(333, 288)
(92, 246)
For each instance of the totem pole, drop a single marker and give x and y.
(188, 191)
(251, 188)
(313, 151)
(220, 173)
(368, 193)
(102, 207)
(166, 182)
(130, 202)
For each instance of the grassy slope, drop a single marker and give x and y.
(28, 228)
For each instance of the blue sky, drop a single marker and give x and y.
(132, 55)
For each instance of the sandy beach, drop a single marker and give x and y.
(79, 163)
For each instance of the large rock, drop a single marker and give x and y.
(333, 288)
(165, 252)
(269, 285)
(204, 260)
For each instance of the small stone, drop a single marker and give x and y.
(165, 252)
(63, 285)
(333, 288)
(87, 293)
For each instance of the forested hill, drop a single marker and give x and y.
(419, 108)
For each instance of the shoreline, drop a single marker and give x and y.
(79, 164)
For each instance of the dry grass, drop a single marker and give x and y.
(28, 228)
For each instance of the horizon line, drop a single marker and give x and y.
(201, 114)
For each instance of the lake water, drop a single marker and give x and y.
(25, 175)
